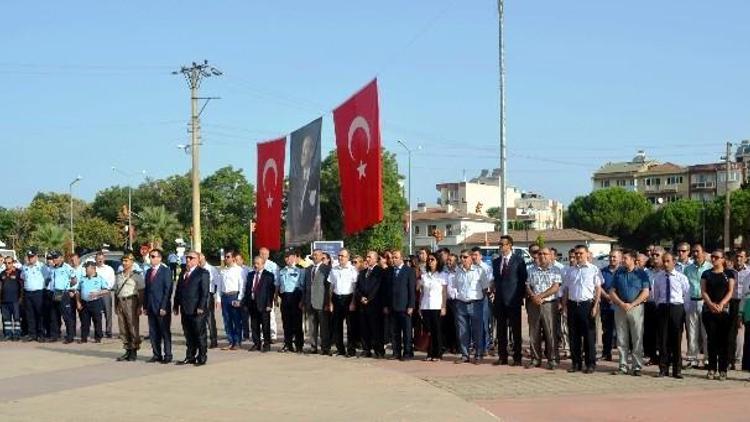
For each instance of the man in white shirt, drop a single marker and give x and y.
(671, 293)
(470, 285)
(272, 267)
(582, 288)
(343, 279)
(736, 332)
(108, 274)
(489, 327)
(682, 260)
(214, 302)
(541, 305)
(230, 290)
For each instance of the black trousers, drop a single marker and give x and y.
(433, 322)
(246, 324)
(734, 312)
(63, 309)
(371, 328)
(261, 322)
(402, 334)
(194, 327)
(173, 270)
(160, 334)
(341, 314)
(33, 304)
(47, 303)
(651, 331)
(608, 331)
(508, 317)
(91, 311)
(671, 319)
(11, 312)
(717, 331)
(291, 319)
(211, 320)
(582, 333)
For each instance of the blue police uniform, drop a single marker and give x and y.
(91, 307)
(62, 285)
(34, 282)
(291, 284)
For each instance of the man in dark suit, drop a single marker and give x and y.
(400, 304)
(509, 273)
(368, 296)
(158, 296)
(318, 304)
(191, 298)
(258, 299)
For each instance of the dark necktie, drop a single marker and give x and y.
(669, 290)
(314, 269)
(256, 284)
(153, 274)
(505, 270)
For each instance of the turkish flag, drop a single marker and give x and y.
(357, 124)
(270, 184)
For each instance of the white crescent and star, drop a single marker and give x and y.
(359, 122)
(270, 165)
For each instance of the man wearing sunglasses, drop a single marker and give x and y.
(682, 257)
(470, 284)
(191, 300)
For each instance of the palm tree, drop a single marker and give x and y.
(157, 225)
(50, 236)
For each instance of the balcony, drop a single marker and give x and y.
(703, 185)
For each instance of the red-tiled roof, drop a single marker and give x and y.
(553, 235)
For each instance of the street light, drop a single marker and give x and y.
(408, 182)
(70, 192)
(130, 202)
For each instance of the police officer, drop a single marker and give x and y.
(91, 288)
(289, 285)
(63, 287)
(33, 276)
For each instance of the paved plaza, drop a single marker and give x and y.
(82, 382)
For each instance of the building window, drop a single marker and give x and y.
(416, 229)
(605, 183)
(674, 180)
(449, 229)
(431, 229)
(621, 182)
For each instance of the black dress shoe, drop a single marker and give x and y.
(285, 350)
(200, 361)
(501, 361)
(124, 357)
(166, 360)
(67, 341)
(677, 376)
(573, 369)
(266, 348)
(154, 359)
(133, 356)
(186, 361)
(213, 346)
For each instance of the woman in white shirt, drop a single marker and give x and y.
(432, 285)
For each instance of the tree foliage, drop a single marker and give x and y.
(613, 212)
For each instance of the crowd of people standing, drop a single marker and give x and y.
(436, 302)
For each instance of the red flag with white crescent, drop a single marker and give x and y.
(270, 185)
(357, 124)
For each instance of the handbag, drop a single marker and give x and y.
(422, 340)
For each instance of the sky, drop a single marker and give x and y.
(88, 85)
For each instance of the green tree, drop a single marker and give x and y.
(389, 234)
(227, 200)
(50, 237)
(109, 202)
(613, 212)
(54, 208)
(674, 222)
(158, 225)
(93, 232)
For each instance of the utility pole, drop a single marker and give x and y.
(411, 229)
(194, 75)
(727, 200)
(72, 235)
(130, 203)
(503, 150)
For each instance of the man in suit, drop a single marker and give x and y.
(368, 296)
(318, 304)
(400, 304)
(158, 295)
(258, 299)
(191, 298)
(510, 275)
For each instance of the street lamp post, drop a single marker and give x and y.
(408, 182)
(130, 203)
(70, 192)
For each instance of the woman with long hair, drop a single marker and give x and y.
(432, 285)
(717, 285)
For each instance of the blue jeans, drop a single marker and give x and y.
(487, 325)
(232, 319)
(470, 321)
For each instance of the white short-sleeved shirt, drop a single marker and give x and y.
(582, 281)
(432, 290)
